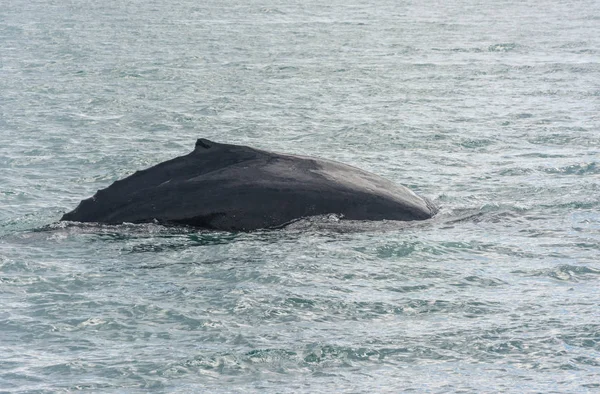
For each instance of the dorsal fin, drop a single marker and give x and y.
(203, 143)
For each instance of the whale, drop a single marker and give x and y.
(228, 187)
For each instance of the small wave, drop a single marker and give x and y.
(273, 11)
(542, 155)
(523, 115)
(308, 356)
(566, 272)
(374, 310)
(591, 168)
(568, 136)
(475, 143)
(487, 213)
(336, 223)
(459, 50)
(409, 289)
(504, 47)
(476, 281)
(575, 169)
(578, 205)
(585, 336)
(516, 171)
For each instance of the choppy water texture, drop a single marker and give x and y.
(490, 108)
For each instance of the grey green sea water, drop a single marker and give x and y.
(490, 108)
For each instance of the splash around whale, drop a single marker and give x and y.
(238, 188)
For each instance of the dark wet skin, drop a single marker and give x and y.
(238, 188)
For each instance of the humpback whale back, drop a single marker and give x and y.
(238, 188)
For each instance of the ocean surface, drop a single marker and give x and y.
(489, 108)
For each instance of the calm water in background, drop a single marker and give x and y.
(490, 108)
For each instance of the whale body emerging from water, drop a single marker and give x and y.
(238, 188)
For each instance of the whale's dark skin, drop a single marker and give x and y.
(238, 188)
